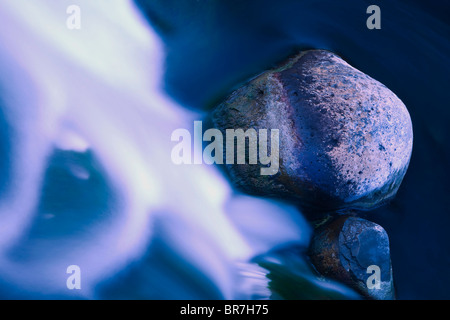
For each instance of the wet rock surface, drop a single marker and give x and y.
(345, 139)
(344, 248)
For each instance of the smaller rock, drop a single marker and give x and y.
(346, 248)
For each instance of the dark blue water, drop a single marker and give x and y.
(214, 46)
(4, 150)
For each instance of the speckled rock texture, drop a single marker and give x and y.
(344, 248)
(345, 139)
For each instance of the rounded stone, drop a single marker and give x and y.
(348, 249)
(345, 140)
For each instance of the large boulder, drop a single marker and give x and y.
(345, 140)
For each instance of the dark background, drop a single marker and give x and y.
(214, 46)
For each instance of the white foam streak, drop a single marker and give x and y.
(98, 89)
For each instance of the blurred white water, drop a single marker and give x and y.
(97, 90)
